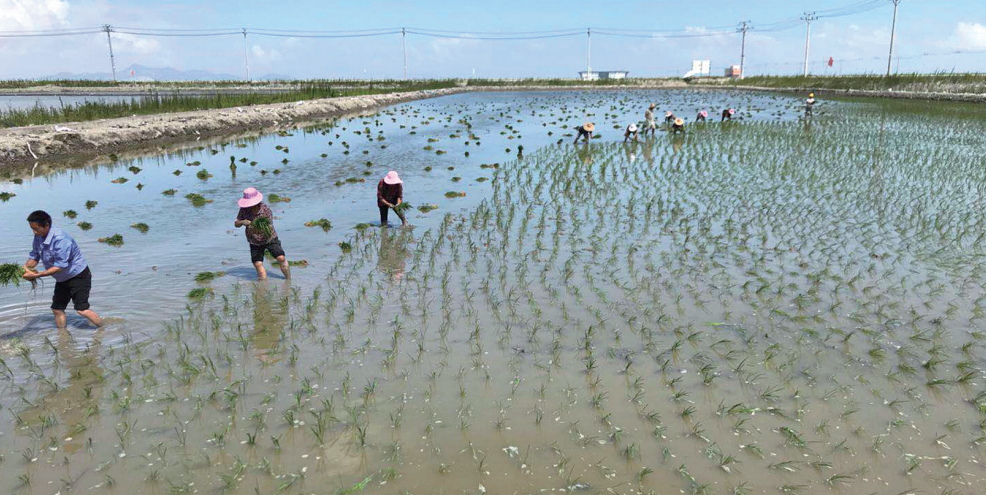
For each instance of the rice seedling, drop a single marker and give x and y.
(115, 240)
(276, 198)
(208, 276)
(91, 204)
(12, 273)
(199, 293)
(141, 227)
(263, 226)
(84, 225)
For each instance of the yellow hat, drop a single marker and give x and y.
(811, 95)
(678, 121)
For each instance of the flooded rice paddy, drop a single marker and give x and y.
(764, 306)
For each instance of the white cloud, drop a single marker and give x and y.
(261, 54)
(128, 43)
(22, 15)
(970, 36)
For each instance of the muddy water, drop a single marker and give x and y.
(768, 306)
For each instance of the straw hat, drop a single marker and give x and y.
(668, 113)
(678, 121)
(632, 128)
(811, 95)
(251, 197)
(392, 178)
(589, 126)
(652, 106)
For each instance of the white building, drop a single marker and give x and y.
(603, 74)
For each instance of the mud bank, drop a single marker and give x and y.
(30, 145)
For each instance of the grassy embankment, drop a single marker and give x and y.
(170, 99)
(942, 82)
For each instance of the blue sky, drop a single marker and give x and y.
(857, 43)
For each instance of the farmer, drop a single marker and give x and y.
(631, 131)
(727, 114)
(809, 104)
(702, 115)
(585, 131)
(64, 262)
(252, 208)
(390, 194)
(649, 118)
(678, 126)
(668, 117)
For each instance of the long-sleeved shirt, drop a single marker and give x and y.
(389, 193)
(252, 234)
(59, 249)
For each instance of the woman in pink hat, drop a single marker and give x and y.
(261, 238)
(390, 194)
(727, 114)
(702, 115)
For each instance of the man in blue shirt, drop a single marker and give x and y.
(64, 262)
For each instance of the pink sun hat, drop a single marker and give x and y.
(731, 111)
(704, 113)
(392, 178)
(251, 197)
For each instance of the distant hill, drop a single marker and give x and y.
(143, 73)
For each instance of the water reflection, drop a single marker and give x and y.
(393, 252)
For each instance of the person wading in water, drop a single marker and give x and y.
(810, 105)
(64, 262)
(651, 125)
(727, 114)
(256, 216)
(390, 194)
(631, 131)
(585, 131)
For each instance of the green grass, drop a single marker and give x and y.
(947, 82)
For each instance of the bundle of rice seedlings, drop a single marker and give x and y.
(401, 208)
(203, 174)
(362, 226)
(141, 227)
(301, 263)
(5, 196)
(321, 222)
(454, 194)
(208, 276)
(113, 240)
(425, 208)
(91, 204)
(274, 198)
(169, 192)
(345, 247)
(70, 214)
(263, 226)
(120, 180)
(197, 199)
(84, 225)
(12, 273)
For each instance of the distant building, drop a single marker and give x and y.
(733, 71)
(602, 74)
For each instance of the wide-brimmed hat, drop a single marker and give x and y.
(652, 106)
(678, 121)
(251, 197)
(668, 113)
(704, 113)
(392, 178)
(731, 111)
(632, 128)
(811, 95)
(589, 126)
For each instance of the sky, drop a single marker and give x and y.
(929, 32)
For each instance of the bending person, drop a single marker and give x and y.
(585, 132)
(256, 216)
(390, 195)
(64, 262)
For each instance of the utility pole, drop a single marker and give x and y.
(893, 33)
(246, 56)
(808, 18)
(404, 48)
(588, 53)
(107, 28)
(744, 27)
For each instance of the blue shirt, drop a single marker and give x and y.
(59, 249)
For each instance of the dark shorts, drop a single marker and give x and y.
(272, 247)
(75, 289)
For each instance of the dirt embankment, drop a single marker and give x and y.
(33, 144)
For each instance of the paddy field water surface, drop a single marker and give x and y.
(765, 306)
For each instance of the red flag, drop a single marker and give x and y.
(831, 61)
